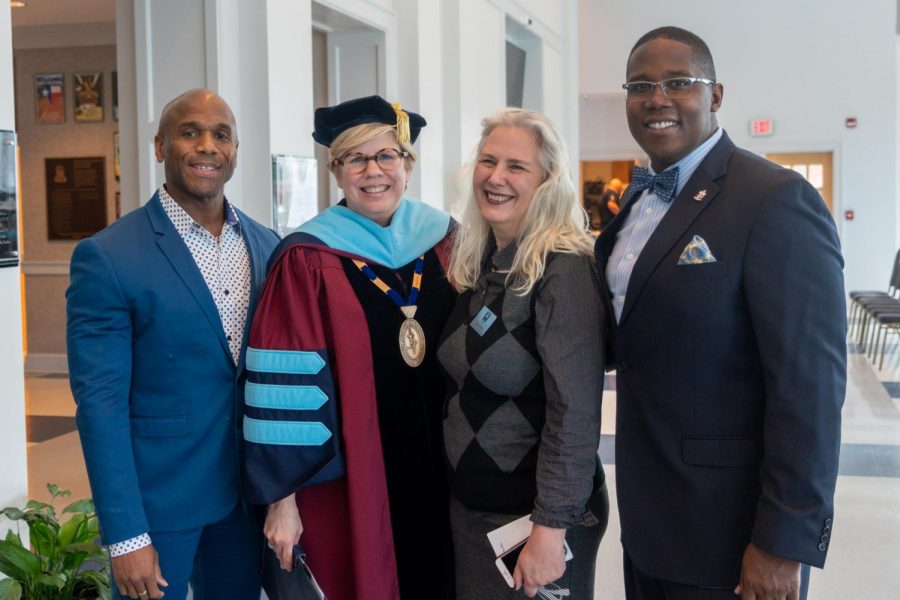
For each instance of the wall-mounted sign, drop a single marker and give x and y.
(762, 127)
(9, 224)
(294, 192)
(76, 197)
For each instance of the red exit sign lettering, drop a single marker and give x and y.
(759, 127)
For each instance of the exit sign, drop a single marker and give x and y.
(760, 127)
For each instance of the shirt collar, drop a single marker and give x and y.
(183, 221)
(687, 165)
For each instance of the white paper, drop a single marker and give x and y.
(512, 534)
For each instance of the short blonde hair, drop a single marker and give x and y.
(355, 136)
(555, 220)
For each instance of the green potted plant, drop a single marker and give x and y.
(64, 561)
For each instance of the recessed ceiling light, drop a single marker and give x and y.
(16, 4)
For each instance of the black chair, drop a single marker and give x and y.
(863, 302)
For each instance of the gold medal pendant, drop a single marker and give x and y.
(412, 338)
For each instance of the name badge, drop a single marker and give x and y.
(483, 320)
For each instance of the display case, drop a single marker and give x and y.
(9, 222)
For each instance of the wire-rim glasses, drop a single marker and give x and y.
(675, 88)
(387, 159)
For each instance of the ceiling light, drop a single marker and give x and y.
(16, 4)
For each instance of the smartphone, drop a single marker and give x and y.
(506, 562)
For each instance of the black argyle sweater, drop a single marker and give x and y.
(495, 407)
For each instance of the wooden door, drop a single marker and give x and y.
(815, 167)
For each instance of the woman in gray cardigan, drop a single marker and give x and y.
(523, 354)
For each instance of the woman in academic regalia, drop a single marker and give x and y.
(344, 393)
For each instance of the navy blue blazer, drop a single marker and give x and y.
(159, 397)
(731, 374)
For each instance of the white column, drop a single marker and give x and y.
(13, 466)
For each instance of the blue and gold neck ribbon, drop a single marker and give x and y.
(408, 306)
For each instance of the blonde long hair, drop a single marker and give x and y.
(554, 222)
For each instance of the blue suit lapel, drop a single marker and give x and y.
(175, 250)
(678, 219)
(258, 259)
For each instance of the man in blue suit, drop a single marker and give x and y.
(724, 274)
(159, 306)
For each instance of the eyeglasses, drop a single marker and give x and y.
(675, 88)
(387, 159)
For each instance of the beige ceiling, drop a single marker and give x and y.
(63, 12)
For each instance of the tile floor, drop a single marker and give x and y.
(864, 559)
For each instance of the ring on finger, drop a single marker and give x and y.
(144, 593)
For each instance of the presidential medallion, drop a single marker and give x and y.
(412, 342)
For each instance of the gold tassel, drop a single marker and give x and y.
(402, 123)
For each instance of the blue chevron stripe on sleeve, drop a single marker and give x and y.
(285, 433)
(284, 397)
(284, 361)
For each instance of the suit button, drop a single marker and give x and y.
(622, 367)
(827, 522)
(824, 537)
(822, 547)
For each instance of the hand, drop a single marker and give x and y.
(767, 576)
(283, 529)
(543, 559)
(137, 574)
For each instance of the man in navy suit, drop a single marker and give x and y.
(724, 274)
(158, 311)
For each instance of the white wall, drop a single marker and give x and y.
(13, 466)
(474, 66)
(807, 64)
(256, 55)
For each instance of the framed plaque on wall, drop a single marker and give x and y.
(9, 230)
(76, 197)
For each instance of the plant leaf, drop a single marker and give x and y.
(75, 530)
(10, 589)
(12, 513)
(87, 547)
(13, 538)
(56, 580)
(37, 516)
(56, 491)
(91, 584)
(43, 538)
(36, 505)
(85, 506)
(17, 562)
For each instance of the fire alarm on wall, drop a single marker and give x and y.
(848, 215)
(850, 122)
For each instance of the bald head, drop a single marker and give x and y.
(197, 141)
(195, 99)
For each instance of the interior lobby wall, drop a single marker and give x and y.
(13, 470)
(807, 65)
(45, 261)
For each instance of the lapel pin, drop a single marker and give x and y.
(699, 196)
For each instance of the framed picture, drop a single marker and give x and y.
(115, 95)
(49, 99)
(116, 161)
(88, 96)
(76, 197)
